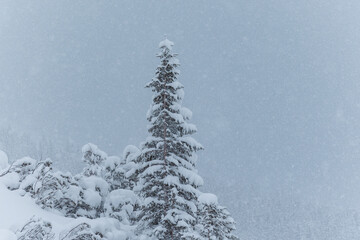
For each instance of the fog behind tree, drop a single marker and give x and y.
(273, 86)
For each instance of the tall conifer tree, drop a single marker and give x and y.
(168, 180)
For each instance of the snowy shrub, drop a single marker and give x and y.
(17, 172)
(82, 231)
(36, 229)
(92, 196)
(58, 191)
(121, 205)
(94, 159)
(23, 167)
(100, 228)
(122, 174)
(131, 156)
(114, 173)
(33, 182)
(94, 188)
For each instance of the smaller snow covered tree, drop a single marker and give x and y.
(36, 229)
(214, 221)
(121, 204)
(94, 159)
(92, 196)
(131, 166)
(94, 188)
(114, 173)
(121, 173)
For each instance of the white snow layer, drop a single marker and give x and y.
(11, 180)
(7, 235)
(166, 43)
(121, 197)
(16, 211)
(208, 198)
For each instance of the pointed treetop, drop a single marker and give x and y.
(166, 44)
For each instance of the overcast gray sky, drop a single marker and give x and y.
(273, 85)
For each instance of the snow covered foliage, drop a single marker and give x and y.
(18, 172)
(59, 191)
(214, 221)
(23, 167)
(131, 156)
(93, 187)
(51, 190)
(32, 183)
(94, 159)
(82, 231)
(92, 196)
(121, 204)
(168, 180)
(36, 229)
(114, 173)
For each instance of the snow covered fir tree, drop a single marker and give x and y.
(151, 192)
(168, 181)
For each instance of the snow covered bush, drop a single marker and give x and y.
(81, 231)
(51, 190)
(92, 196)
(94, 188)
(132, 160)
(121, 173)
(94, 158)
(59, 191)
(33, 181)
(95, 229)
(24, 167)
(36, 229)
(114, 173)
(121, 205)
(17, 172)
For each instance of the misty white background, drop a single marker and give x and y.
(274, 87)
